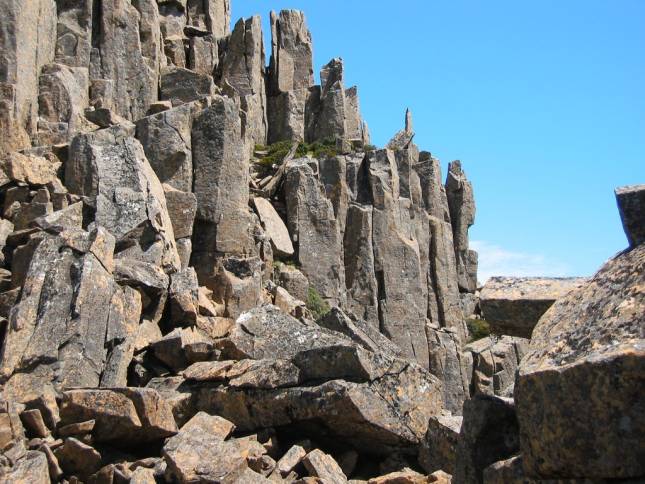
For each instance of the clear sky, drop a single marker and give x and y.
(543, 101)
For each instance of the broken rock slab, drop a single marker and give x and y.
(274, 227)
(631, 205)
(579, 387)
(513, 305)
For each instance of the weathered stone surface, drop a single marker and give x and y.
(238, 285)
(489, 433)
(173, 348)
(149, 279)
(212, 16)
(224, 224)
(324, 467)
(290, 75)
(203, 54)
(438, 450)
(403, 138)
(32, 468)
(77, 458)
(74, 33)
(294, 281)
(274, 227)
(631, 205)
(27, 44)
(184, 297)
(179, 85)
(433, 191)
(495, 362)
(166, 140)
(242, 68)
(401, 477)
(123, 416)
(290, 460)
(64, 342)
(130, 203)
(182, 207)
(314, 228)
(350, 410)
(199, 453)
(117, 61)
(579, 388)
(29, 169)
(461, 203)
(513, 305)
(331, 116)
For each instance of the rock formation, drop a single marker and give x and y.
(208, 274)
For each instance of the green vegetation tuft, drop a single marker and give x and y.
(316, 304)
(370, 148)
(478, 329)
(278, 151)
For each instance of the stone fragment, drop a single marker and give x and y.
(182, 207)
(33, 468)
(242, 68)
(274, 227)
(81, 428)
(104, 117)
(184, 297)
(70, 217)
(461, 203)
(173, 348)
(294, 281)
(199, 453)
(489, 433)
(209, 16)
(403, 138)
(401, 477)
(111, 166)
(513, 305)
(208, 370)
(290, 460)
(33, 421)
(73, 33)
(179, 85)
(29, 169)
(495, 363)
(324, 467)
(631, 205)
(166, 140)
(203, 54)
(77, 458)
(122, 415)
(579, 382)
(438, 450)
(238, 285)
(286, 302)
(151, 282)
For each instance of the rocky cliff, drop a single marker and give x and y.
(210, 275)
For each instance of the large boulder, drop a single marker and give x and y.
(579, 388)
(513, 305)
(111, 166)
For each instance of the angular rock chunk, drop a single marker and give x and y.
(59, 327)
(182, 207)
(324, 467)
(489, 433)
(77, 458)
(238, 285)
(127, 416)
(513, 305)
(179, 85)
(314, 228)
(578, 384)
(33, 468)
(242, 68)
(73, 33)
(166, 140)
(274, 227)
(495, 362)
(130, 203)
(211, 16)
(631, 205)
(438, 450)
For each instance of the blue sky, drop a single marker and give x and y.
(544, 103)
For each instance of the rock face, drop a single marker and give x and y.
(589, 343)
(513, 306)
(631, 204)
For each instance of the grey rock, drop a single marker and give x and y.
(32, 468)
(203, 54)
(324, 467)
(74, 33)
(489, 433)
(579, 386)
(314, 229)
(184, 297)
(294, 281)
(513, 305)
(182, 207)
(179, 85)
(438, 451)
(403, 138)
(461, 203)
(238, 284)
(242, 68)
(433, 191)
(495, 363)
(117, 57)
(212, 16)
(130, 203)
(77, 458)
(274, 227)
(631, 205)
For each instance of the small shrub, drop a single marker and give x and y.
(316, 304)
(478, 329)
(370, 148)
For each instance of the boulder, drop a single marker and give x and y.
(631, 205)
(438, 450)
(238, 285)
(578, 390)
(130, 203)
(495, 362)
(513, 305)
(180, 85)
(489, 433)
(182, 207)
(274, 227)
(123, 416)
(78, 459)
(324, 467)
(209, 16)
(33, 468)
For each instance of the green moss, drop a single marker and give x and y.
(478, 329)
(316, 304)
